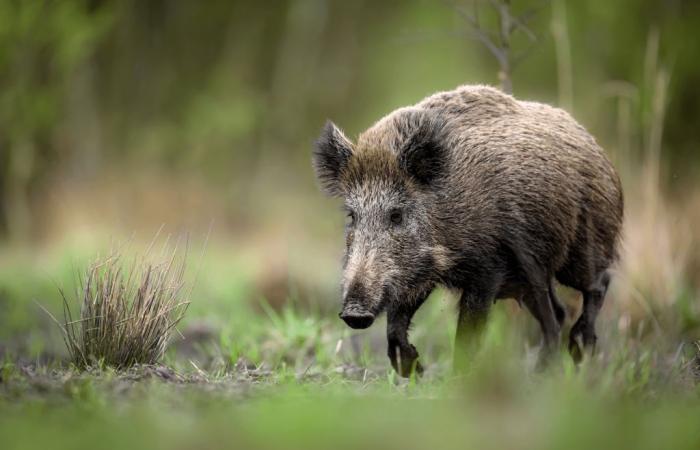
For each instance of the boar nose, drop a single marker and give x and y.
(357, 320)
(354, 312)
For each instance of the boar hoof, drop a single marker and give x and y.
(581, 344)
(404, 359)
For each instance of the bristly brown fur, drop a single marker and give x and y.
(496, 197)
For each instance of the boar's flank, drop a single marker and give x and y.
(476, 191)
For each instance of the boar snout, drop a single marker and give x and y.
(354, 313)
(357, 320)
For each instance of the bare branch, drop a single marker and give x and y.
(495, 50)
(482, 36)
(474, 23)
(518, 24)
(499, 43)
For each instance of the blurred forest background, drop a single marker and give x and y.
(119, 116)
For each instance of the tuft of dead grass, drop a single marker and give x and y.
(127, 312)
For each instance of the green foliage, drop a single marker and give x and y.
(41, 44)
(236, 89)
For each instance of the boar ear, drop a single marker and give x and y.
(331, 155)
(422, 154)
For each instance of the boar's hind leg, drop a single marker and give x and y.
(582, 336)
(559, 310)
(539, 301)
(402, 354)
(473, 312)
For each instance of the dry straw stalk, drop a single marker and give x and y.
(127, 313)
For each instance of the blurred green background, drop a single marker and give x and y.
(122, 113)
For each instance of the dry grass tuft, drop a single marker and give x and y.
(127, 313)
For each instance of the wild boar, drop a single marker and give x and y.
(479, 192)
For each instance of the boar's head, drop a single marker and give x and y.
(390, 186)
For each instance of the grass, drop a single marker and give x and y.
(255, 374)
(629, 396)
(127, 312)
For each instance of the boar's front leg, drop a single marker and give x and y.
(402, 354)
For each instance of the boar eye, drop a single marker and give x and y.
(396, 217)
(350, 219)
